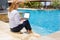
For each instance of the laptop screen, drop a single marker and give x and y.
(26, 15)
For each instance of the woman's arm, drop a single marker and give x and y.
(17, 18)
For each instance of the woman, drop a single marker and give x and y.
(15, 20)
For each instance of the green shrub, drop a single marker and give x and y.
(56, 3)
(32, 4)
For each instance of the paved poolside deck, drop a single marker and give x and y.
(5, 34)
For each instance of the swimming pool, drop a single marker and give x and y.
(44, 22)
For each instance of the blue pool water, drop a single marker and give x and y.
(44, 22)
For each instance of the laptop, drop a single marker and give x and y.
(26, 15)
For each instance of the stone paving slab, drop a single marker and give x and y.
(6, 34)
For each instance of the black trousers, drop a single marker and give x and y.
(25, 24)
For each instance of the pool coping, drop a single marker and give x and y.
(37, 9)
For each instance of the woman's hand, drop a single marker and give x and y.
(22, 20)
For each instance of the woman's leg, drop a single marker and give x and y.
(27, 25)
(17, 29)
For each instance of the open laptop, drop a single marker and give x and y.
(25, 16)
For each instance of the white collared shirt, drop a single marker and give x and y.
(14, 18)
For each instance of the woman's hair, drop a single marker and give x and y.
(13, 6)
